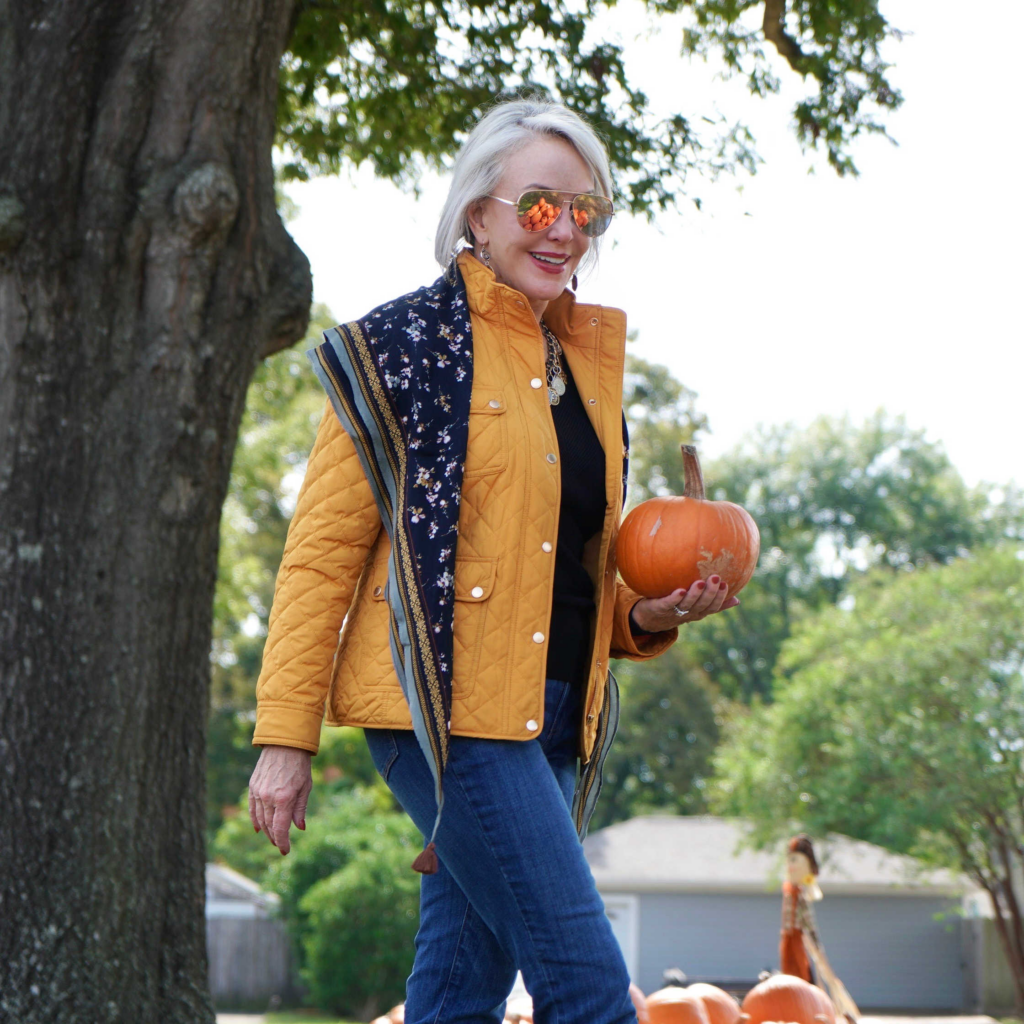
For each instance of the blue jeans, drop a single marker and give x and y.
(512, 889)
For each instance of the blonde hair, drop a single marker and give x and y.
(502, 131)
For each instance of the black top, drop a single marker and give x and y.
(581, 515)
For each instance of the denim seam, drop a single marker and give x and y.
(389, 762)
(556, 717)
(486, 836)
(455, 959)
(393, 758)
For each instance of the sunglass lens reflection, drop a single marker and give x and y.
(538, 210)
(592, 214)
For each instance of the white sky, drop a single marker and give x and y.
(792, 295)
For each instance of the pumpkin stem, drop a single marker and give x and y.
(693, 478)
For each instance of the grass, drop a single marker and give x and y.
(303, 1017)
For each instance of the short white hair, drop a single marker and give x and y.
(502, 131)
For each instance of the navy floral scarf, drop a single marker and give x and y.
(400, 381)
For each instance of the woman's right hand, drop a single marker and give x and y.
(279, 791)
(704, 598)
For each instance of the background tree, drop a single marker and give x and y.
(348, 898)
(144, 272)
(668, 732)
(900, 721)
(833, 501)
(662, 414)
(282, 410)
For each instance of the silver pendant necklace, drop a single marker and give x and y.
(555, 373)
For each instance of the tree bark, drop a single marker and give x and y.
(143, 272)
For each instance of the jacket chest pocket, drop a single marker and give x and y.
(487, 446)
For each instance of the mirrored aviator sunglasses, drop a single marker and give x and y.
(539, 208)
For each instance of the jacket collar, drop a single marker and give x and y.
(573, 322)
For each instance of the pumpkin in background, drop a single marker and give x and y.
(639, 1003)
(519, 1010)
(721, 1007)
(675, 1005)
(783, 997)
(671, 542)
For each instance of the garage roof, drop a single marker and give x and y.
(671, 853)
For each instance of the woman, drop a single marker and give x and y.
(458, 513)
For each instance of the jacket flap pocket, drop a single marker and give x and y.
(487, 402)
(474, 578)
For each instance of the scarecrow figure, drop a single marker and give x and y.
(799, 944)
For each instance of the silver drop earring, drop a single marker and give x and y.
(486, 257)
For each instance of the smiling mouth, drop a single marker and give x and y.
(552, 259)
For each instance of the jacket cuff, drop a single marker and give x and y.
(638, 648)
(288, 725)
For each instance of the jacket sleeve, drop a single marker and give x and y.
(635, 648)
(334, 526)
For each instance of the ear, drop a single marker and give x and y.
(475, 216)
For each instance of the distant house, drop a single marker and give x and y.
(247, 947)
(681, 892)
(230, 894)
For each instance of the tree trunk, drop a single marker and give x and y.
(1007, 922)
(143, 273)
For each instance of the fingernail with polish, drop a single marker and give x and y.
(714, 579)
(700, 584)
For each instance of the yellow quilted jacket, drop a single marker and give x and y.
(334, 570)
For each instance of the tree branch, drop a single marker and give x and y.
(774, 26)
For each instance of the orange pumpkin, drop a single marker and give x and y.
(639, 1003)
(783, 997)
(675, 1005)
(519, 1010)
(721, 1007)
(671, 542)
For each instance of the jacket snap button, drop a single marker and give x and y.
(477, 591)
(377, 591)
(531, 725)
(494, 403)
(591, 401)
(593, 321)
(552, 458)
(536, 382)
(590, 718)
(546, 546)
(538, 638)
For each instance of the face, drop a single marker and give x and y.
(798, 869)
(537, 263)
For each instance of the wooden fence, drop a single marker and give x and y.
(250, 963)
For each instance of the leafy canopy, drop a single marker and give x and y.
(668, 731)
(833, 501)
(399, 82)
(899, 720)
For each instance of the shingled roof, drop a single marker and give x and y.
(672, 853)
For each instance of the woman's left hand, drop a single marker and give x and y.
(704, 598)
